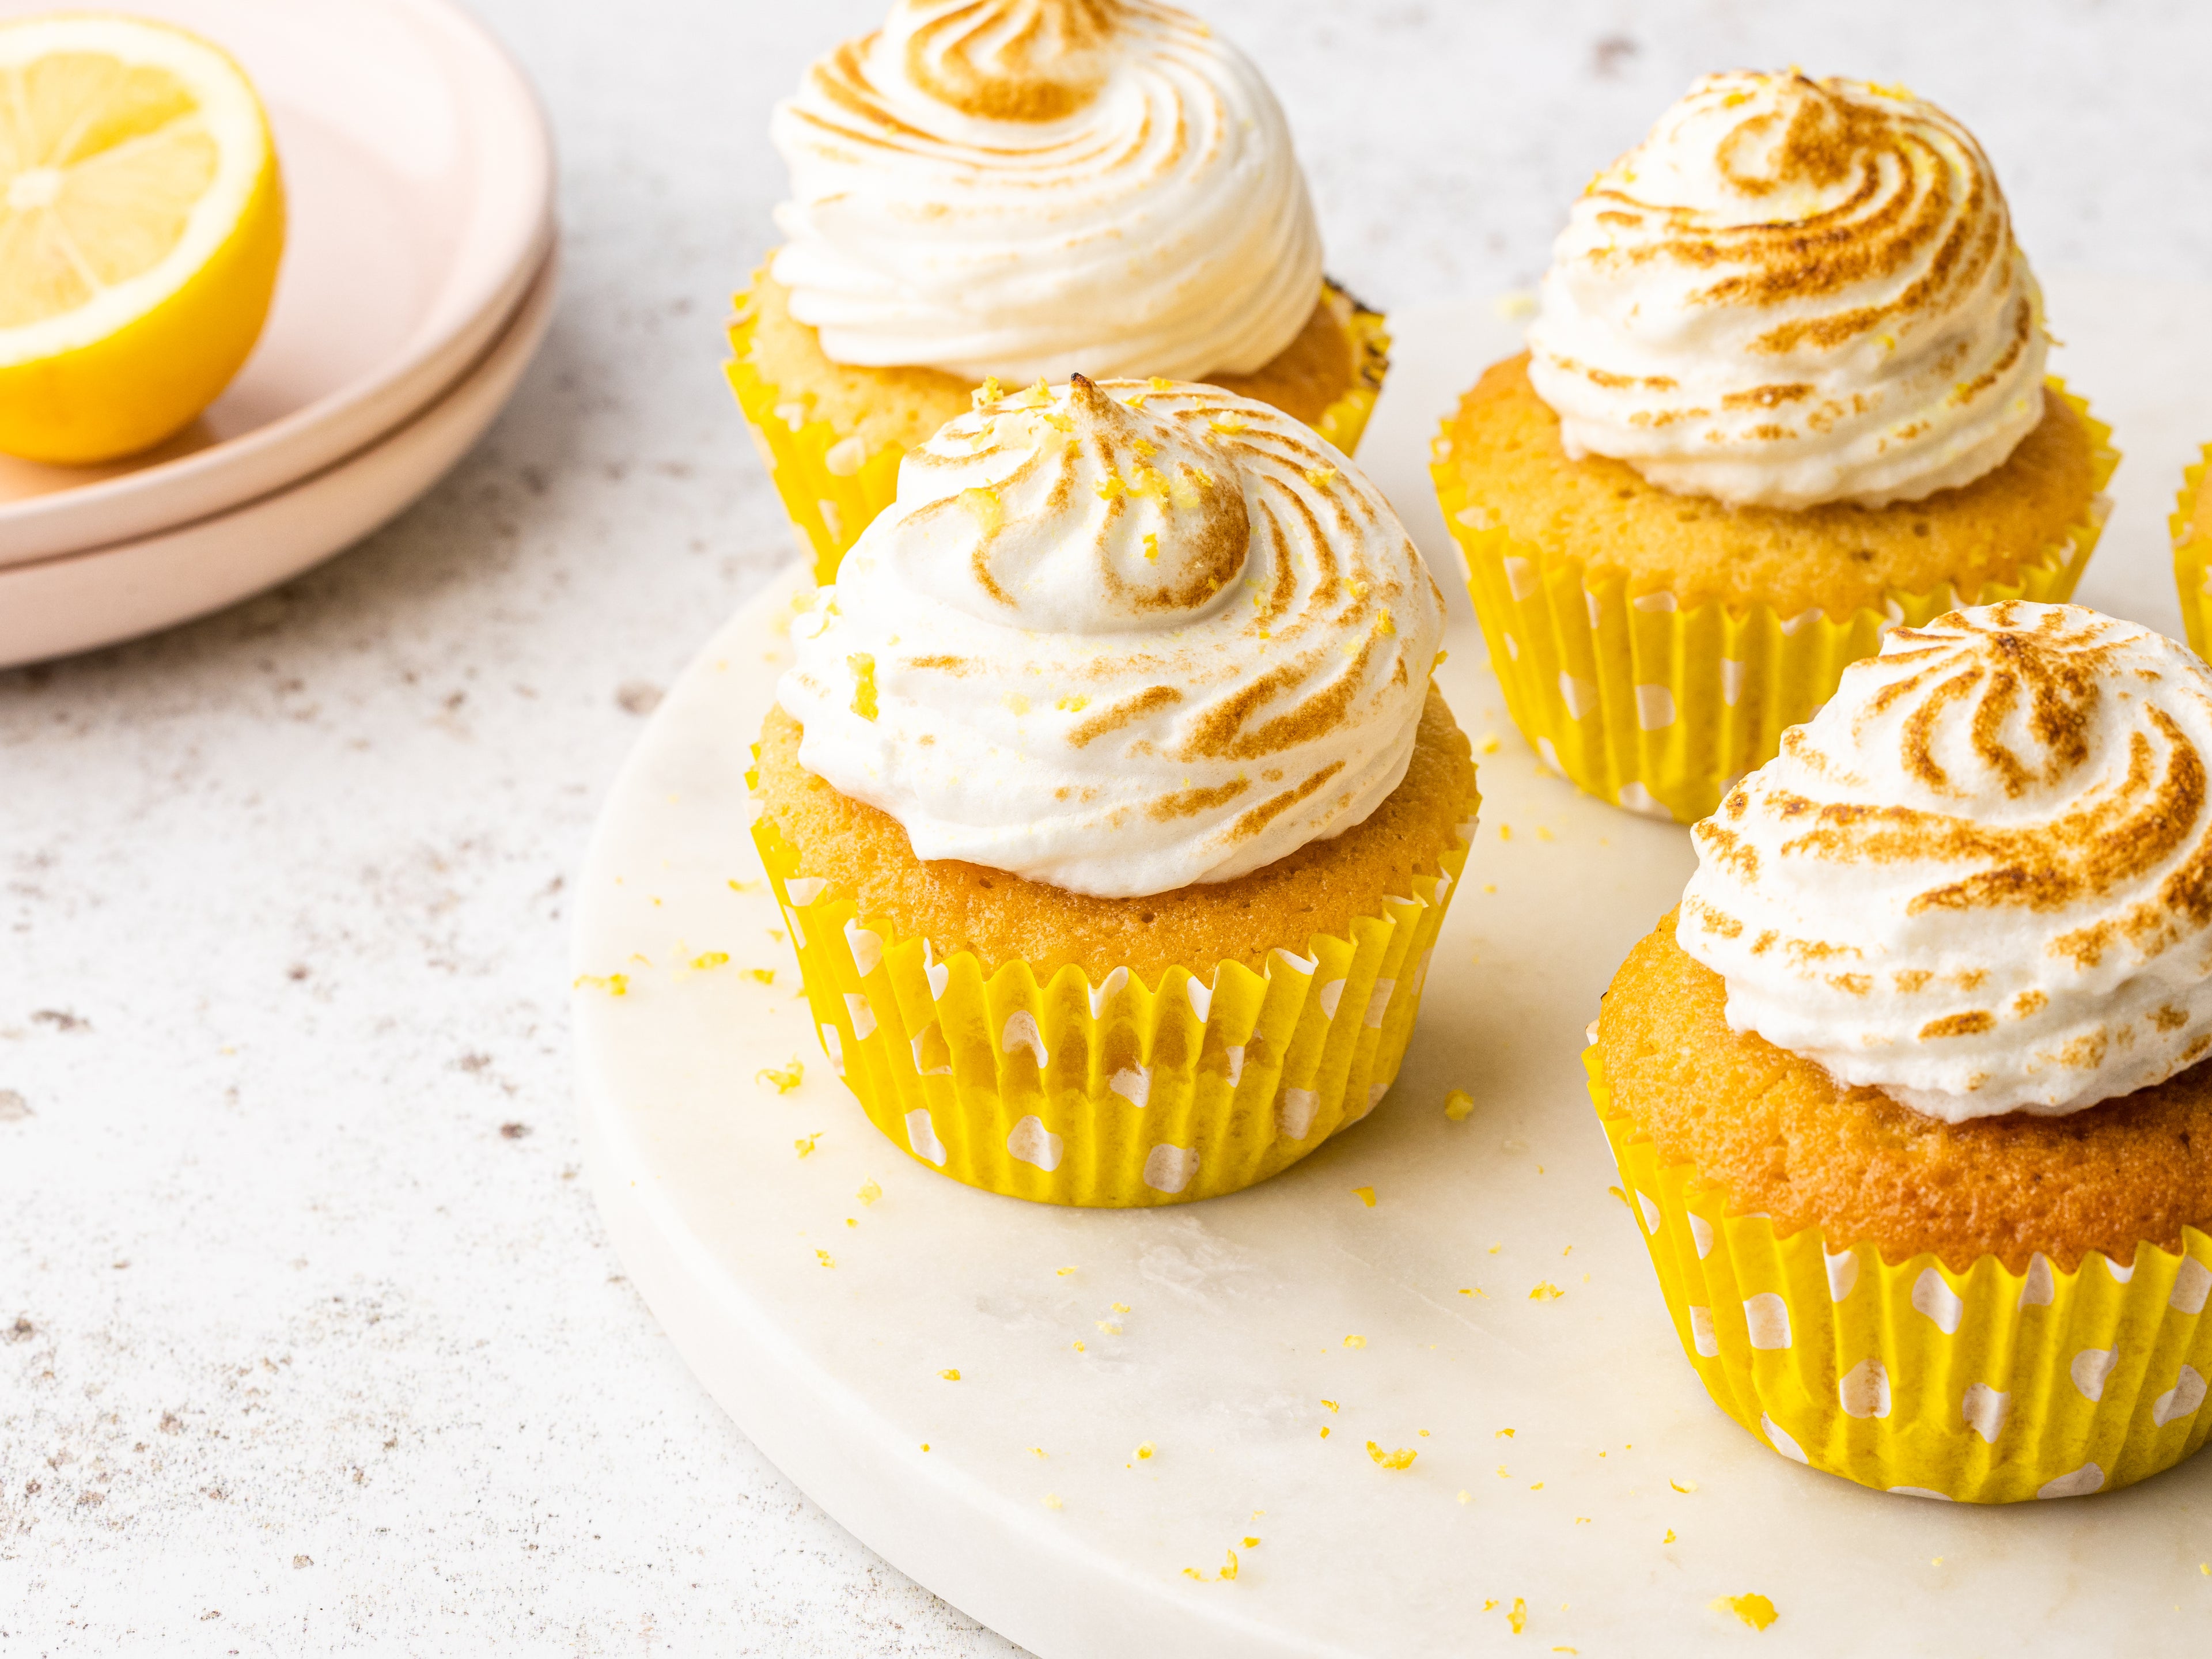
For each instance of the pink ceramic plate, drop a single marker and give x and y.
(81, 600)
(419, 183)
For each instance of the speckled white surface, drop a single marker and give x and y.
(284, 892)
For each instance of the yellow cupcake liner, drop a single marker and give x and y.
(1117, 1095)
(1983, 1387)
(833, 486)
(1660, 710)
(2193, 558)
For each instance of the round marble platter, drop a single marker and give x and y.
(1143, 1399)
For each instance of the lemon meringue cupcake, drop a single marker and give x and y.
(1108, 800)
(1910, 1095)
(1013, 191)
(1784, 390)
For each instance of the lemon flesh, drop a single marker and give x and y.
(141, 222)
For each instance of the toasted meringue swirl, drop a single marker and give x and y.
(1794, 292)
(1981, 878)
(1031, 188)
(1121, 638)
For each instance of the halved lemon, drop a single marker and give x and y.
(141, 220)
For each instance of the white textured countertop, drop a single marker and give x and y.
(310, 1339)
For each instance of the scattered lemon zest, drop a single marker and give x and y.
(951, 1375)
(863, 684)
(1669, 1538)
(1683, 1485)
(1062, 1272)
(804, 1143)
(761, 976)
(782, 1080)
(1251, 1543)
(1229, 1567)
(1489, 745)
(1324, 1430)
(1145, 1449)
(1366, 1194)
(1518, 1616)
(1401, 1459)
(1318, 476)
(1231, 423)
(1078, 1346)
(869, 1192)
(1331, 1404)
(1546, 1292)
(1152, 545)
(1755, 1610)
(1109, 1327)
(1052, 1500)
(1505, 832)
(615, 985)
(1074, 703)
(1158, 383)
(1457, 1104)
(1502, 1434)
(1355, 1341)
(989, 392)
(824, 1258)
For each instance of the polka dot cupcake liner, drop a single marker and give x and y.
(832, 488)
(1660, 710)
(1982, 1387)
(2193, 558)
(1116, 1095)
(833, 485)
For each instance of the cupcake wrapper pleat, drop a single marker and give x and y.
(833, 485)
(832, 488)
(1119, 1094)
(2193, 558)
(1983, 1387)
(1659, 709)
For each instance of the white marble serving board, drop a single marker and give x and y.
(1569, 1462)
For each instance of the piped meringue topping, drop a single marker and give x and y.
(1120, 637)
(1793, 292)
(1980, 878)
(1031, 188)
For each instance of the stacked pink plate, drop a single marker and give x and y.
(418, 280)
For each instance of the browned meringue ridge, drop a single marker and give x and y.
(1891, 206)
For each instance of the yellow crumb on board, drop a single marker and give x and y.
(1145, 1449)
(824, 1258)
(1502, 1434)
(1229, 1566)
(1518, 1616)
(1669, 1538)
(1331, 1404)
(1251, 1543)
(1078, 1348)
(1324, 1430)
(1401, 1459)
(1546, 1292)
(782, 1080)
(1755, 1610)
(951, 1375)
(1457, 1104)
(1365, 1195)
(1355, 1341)
(804, 1143)
(1063, 1273)
(869, 1192)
